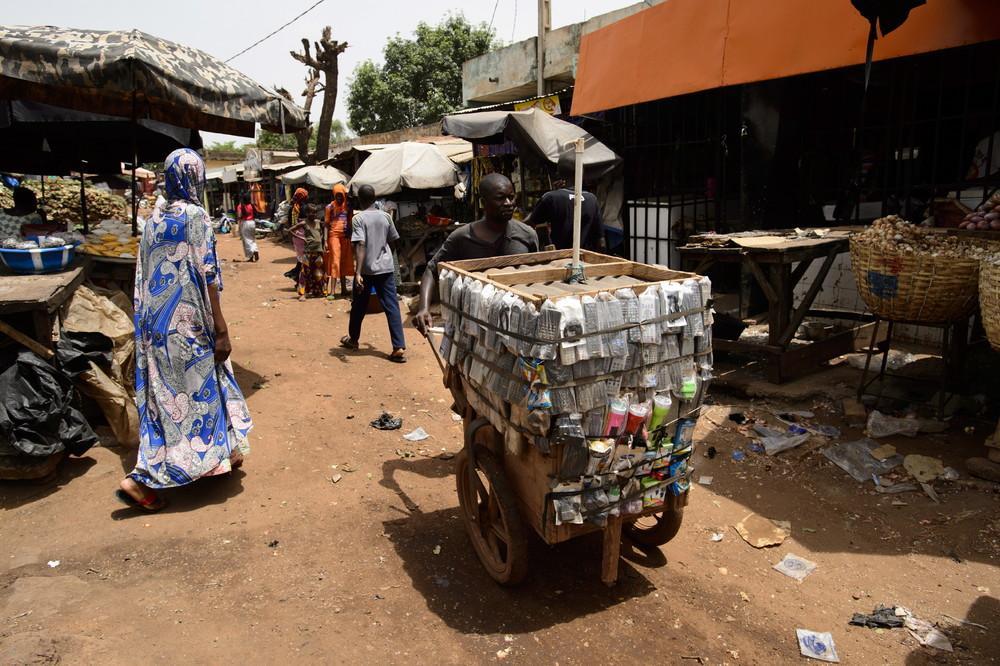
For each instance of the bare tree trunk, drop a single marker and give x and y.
(302, 137)
(326, 62)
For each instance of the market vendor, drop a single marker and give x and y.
(24, 211)
(555, 210)
(495, 235)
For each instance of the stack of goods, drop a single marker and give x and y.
(912, 273)
(50, 241)
(604, 381)
(62, 201)
(111, 238)
(985, 217)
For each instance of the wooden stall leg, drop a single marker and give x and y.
(611, 551)
(43, 327)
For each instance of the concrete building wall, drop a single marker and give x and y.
(511, 73)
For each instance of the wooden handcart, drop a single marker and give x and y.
(504, 481)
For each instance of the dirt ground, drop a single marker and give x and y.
(277, 561)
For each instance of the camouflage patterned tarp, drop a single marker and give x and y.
(104, 71)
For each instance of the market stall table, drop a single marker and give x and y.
(778, 260)
(40, 295)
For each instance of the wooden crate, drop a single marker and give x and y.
(539, 276)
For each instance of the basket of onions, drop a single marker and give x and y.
(986, 217)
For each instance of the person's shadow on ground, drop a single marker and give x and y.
(203, 492)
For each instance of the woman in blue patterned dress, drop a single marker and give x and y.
(193, 421)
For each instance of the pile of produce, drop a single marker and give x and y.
(62, 202)
(986, 217)
(894, 234)
(111, 238)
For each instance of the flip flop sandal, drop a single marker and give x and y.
(348, 343)
(235, 461)
(150, 504)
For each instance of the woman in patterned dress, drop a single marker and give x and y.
(193, 421)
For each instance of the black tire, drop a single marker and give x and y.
(502, 547)
(654, 530)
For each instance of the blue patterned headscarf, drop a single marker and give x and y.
(184, 176)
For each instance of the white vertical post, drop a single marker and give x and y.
(577, 202)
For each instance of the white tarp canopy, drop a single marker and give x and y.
(322, 177)
(417, 166)
(535, 130)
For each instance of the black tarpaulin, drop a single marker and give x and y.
(38, 414)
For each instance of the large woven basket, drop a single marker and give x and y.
(913, 287)
(989, 301)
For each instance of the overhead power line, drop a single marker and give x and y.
(495, 5)
(272, 34)
(513, 30)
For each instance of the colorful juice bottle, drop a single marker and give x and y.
(661, 407)
(637, 415)
(616, 417)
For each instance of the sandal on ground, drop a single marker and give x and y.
(150, 503)
(236, 459)
(397, 356)
(348, 343)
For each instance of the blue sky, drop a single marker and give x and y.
(223, 28)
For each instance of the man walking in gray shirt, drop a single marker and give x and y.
(372, 231)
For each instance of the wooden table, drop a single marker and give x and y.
(40, 295)
(777, 261)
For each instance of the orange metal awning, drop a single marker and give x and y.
(684, 46)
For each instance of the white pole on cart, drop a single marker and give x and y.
(577, 269)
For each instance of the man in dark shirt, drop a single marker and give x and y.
(555, 209)
(495, 235)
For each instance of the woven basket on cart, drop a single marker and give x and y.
(989, 301)
(914, 287)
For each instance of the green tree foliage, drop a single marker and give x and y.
(224, 147)
(274, 141)
(421, 78)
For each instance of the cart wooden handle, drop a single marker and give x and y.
(429, 334)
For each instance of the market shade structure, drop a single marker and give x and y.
(135, 75)
(417, 166)
(533, 129)
(322, 177)
(45, 139)
(684, 46)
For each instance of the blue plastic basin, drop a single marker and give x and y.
(38, 260)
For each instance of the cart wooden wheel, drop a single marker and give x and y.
(655, 530)
(490, 509)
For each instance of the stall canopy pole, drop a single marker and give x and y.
(83, 197)
(135, 159)
(576, 268)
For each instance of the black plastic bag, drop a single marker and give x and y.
(75, 351)
(37, 411)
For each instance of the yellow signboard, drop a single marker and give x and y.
(549, 105)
